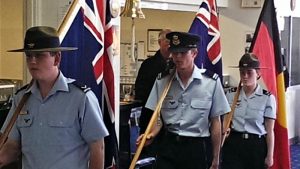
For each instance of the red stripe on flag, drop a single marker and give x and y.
(204, 19)
(98, 68)
(264, 49)
(108, 68)
(94, 29)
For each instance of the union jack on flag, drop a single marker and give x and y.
(206, 26)
(88, 27)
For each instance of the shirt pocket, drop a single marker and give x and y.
(255, 112)
(200, 104)
(199, 112)
(169, 104)
(169, 108)
(24, 121)
(62, 130)
(200, 107)
(60, 122)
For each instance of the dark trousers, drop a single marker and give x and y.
(240, 152)
(177, 152)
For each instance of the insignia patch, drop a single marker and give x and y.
(26, 120)
(22, 112)
(175, 40)
(172, 102)
(30, 45)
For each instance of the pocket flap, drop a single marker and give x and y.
(200, 104)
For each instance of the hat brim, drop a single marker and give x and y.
(45, 49)
(179, 49)
(248, 67)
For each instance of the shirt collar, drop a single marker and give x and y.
(61, 84)
(258, 90)
(197, 73)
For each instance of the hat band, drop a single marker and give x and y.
(49, 42)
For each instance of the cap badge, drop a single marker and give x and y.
(30, 45)
(175, 40)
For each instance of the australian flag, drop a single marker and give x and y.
(206, 26)
(87, 26)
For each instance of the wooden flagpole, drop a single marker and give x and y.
(228, 117)
(152, 121)
(67, 17)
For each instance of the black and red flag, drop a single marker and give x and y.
(266, 45)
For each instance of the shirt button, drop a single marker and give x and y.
(41, 123)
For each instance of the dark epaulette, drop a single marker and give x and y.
(211, 74)
(233, 89)
(82, 87)
(265, 92)
(22, 88)
(163, 74)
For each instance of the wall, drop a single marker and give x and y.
(11, 37)
(233, 29)
(155, 19)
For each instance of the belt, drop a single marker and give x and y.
(246, 136)
(179, 138)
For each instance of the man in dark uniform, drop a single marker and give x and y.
(147, 74)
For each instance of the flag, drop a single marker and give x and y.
(87, 26)
(206, 26)
(266, 45)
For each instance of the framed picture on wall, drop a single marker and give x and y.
(152, 40)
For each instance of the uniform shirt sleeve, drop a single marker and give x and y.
(14, 133)
(270, 111)
(93, 127)
(153, 97)
(220, 104)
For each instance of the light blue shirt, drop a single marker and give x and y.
(187, 110)
(251, 111)
(54, 132)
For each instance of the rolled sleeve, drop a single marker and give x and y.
(270, 111)
(93, 127)
(220, 104)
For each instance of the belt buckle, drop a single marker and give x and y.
(245, 136)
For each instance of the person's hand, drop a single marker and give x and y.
(269, 161)
(227, 132)
(149, 139)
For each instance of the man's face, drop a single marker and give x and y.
(42, 64)
(184, 60)
(164, 47)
